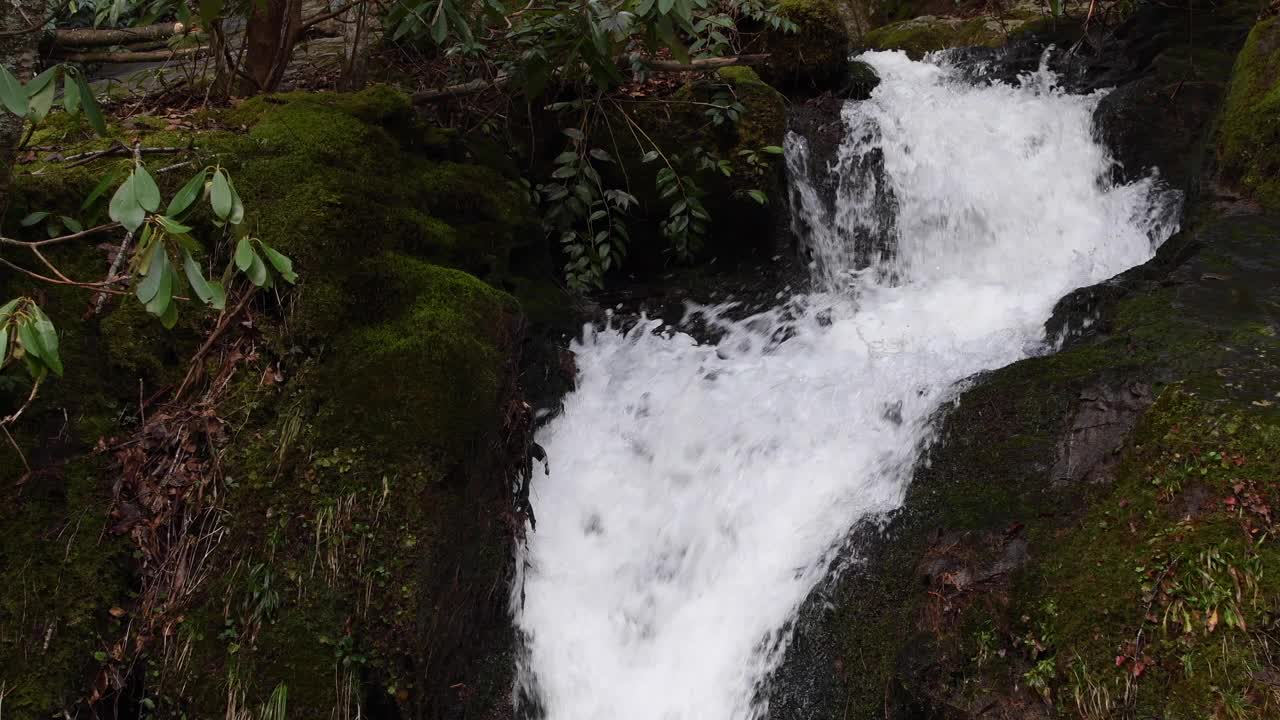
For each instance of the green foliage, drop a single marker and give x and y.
(164, 238)
(585, 215)
(28, 336)
(34, 100)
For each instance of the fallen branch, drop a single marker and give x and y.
(131, 57)
(699, 65)
(81, 37)
(466, 88)
(703, 64)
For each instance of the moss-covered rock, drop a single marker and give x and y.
(364, 504)
(814, 56)
(922, 35)
(1249, 144)
(330, 178)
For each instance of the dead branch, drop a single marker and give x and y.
(703, 64)
(224, 322)
(467, 88)
(89, 37)
(131, 57)
(124, 244)
(699, 65)
(313, 21)
(60, 238)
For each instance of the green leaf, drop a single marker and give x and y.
(173, 227)
(33, 218)
(220, 195)
(40, 101)
(70, 94)
(12, 94)
(244, 255)
(574, 133)
(758, 196)
(237, 207)
(147, 289)
(107, 181)
(7, 310)
(219, 301)
(91, 111)
(169, 317)
(650, 156)
(439, 26)
(199, 285)
(124, 207)
(72, 224)
(281, 263)
(164, 293)
(772, 149)
(30, 340)
(601, 155)
(48, 339)
(42, 81)
(257, 271)
(187, 195)
(664, 6)
(4, 343)
(145, 190)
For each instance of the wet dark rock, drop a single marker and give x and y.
(1089, 449)
(860, 81)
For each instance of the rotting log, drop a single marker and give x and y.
(92, 37)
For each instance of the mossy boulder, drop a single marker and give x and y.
(814, 56)
(364, 504)
(335, 174)
(919, 36)
(1249, 143)
(430, 371)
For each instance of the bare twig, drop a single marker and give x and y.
(223, 323)
(99, 286)
(124, 244)
(313, 21)
(34, 27)
(35, 388)
(60, 238)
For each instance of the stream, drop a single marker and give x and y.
(699, 490)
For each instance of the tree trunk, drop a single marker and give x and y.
(272, 31)
(18, 52)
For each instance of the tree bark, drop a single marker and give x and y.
(272, 31)
(18, 52)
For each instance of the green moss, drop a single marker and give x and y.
(814, 55)
(335, 179)
(63, 572)
(1195, 488)
(1249, 140)
(428, 374)
(925, 34)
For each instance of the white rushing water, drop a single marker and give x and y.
(698, 492)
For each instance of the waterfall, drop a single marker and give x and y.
(698, 491)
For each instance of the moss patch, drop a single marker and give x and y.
(1249, 143)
